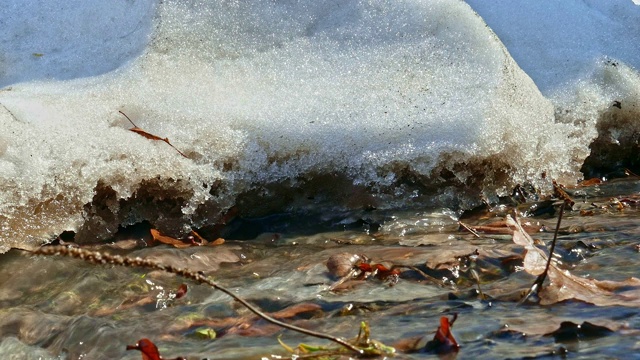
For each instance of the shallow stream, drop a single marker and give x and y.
(64, 308)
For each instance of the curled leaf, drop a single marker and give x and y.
(196, 239)
(443, 342)
(157, 236)
(380, 271)
(148, 349)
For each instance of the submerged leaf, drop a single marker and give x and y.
(565, 286)
(285, 346)
(205, 333)
(569, 331)
(182, 291)
(368, 347)
(565, 328)
(590, 182)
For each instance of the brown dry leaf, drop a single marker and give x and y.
(157, 236)
(139, 131)
(560, 193)
(250, 324)
(296, 309)
(565, 286)
(216, 242)
(132, 302)
(199, 240)
(145, 134)
(149, 136)
(535, 260)
(587, 213)
(590, 182)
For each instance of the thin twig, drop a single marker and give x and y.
(150, 136)
(469, 229)
(540, 279)
(629, 173)
(474, 273)
(10, 113)
(100, 258)
(424, 275)
(543, 276)
(350, 275)
(125, 115)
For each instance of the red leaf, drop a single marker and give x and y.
(381, 271)
(182, 291)
(365, 267)
(443, 342)
(148, 349)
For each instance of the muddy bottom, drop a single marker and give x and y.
(64, 308)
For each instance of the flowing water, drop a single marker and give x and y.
(298, 130)
(62, 308)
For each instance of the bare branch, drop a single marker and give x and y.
(100, 258)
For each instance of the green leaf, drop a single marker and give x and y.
(205, 333)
